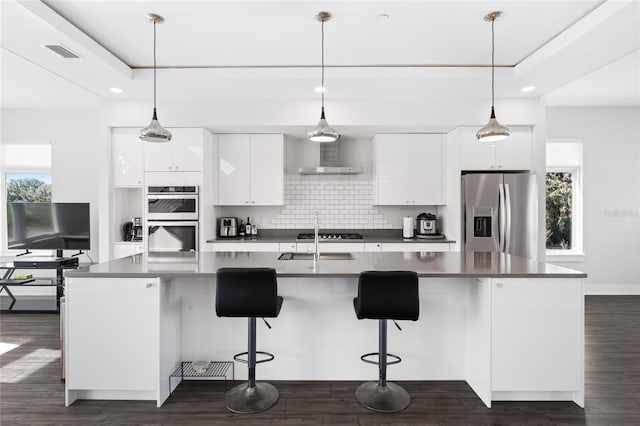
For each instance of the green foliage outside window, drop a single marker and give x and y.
(559, 206)
(28, 190)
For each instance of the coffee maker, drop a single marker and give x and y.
(137, 229)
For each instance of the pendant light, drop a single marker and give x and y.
(154, 132)
(323, 132)
(493, 131)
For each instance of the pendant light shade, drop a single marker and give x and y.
(323, 132)
(154, 132)
(493, 131)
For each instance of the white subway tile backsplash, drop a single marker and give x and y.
(340, 204)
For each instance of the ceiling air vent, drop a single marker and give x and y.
(62, 51)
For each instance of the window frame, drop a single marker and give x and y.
(3, 199)
(576, 253)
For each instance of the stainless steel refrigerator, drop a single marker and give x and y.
(500, 213)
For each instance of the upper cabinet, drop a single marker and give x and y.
(182, 154)
(513, 153)
(408, 169)
(250, 169)
(127, 157)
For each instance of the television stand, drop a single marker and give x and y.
(16, 303)
(46, 262)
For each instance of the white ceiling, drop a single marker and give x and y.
(576, 52)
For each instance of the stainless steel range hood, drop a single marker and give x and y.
(329, 162)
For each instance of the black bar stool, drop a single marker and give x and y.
(251, 293)
(385, 295)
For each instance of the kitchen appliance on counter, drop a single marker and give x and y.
(426, 224)
(132, 230)
(407, 227)
(137, 229)
(228, 227)
(500, 213)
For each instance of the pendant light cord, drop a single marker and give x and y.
(322, 59)
(493, 69)
(154, 67)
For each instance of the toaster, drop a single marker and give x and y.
(228, 227)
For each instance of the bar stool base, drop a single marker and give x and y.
(384, 399)
(243, 399)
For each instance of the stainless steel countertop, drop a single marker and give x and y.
(431, 264)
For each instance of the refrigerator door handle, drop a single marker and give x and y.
(507, 202)
(501, 218)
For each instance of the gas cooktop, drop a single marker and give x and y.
(331, 236)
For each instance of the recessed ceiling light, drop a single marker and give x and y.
(528, 89)
(382, 17)
(115, 90)
(320, 89)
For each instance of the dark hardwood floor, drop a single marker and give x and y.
(31, 392)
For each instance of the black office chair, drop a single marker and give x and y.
(251, 293)
(385, 295)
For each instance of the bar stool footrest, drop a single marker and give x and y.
(396, 358)
(238, 357)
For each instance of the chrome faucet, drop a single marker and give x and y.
(316, 252)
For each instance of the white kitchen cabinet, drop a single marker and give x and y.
(537, 335)
(124, 249)
(368, 247)
(329, 247)
(513, 153)
(250, 170)
(408, 169)
(122, 338)
(243, 246)
(182, 154)
(410, 247)
(289, 246)
(122, 361)
(127, 157)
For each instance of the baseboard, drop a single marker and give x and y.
(612, 289)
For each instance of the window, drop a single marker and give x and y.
(564, 197)
(28, 187)
(25, 176)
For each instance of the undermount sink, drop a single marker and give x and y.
(309, 256)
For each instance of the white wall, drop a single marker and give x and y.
(74, 151)
(611, 182)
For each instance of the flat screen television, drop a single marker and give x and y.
(48, 226)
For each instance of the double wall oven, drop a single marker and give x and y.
(172, 218)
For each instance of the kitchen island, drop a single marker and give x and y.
(511, 327)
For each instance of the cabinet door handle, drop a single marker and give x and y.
(176, 167)
(499, 285)
(169, 167)
(253, 202)
(149, 285)
(246, 202)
